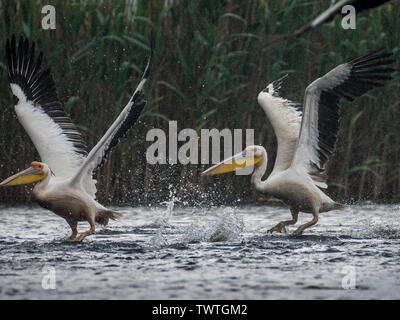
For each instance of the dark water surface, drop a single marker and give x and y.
(192, 253)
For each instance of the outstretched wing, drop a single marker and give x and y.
(285, 117)
(59, 143)
(320, 125)
(330, 13)
(118, 129)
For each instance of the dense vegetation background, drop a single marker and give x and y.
(212, 59)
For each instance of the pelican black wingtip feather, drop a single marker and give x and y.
(150, 61)
(366, 73)
(137, 102)
(330, 13)
(277, 85)
(147, 69)
(39, 87)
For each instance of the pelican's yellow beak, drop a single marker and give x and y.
(27, 176)
(238, 161)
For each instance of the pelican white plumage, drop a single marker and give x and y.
(307, 140)
(65, 183)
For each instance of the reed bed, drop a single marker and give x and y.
(211, 60)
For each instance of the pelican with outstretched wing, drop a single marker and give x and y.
(306, 139)
(64, 177)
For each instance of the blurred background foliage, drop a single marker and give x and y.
(212, 59)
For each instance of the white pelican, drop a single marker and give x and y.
(64, 177)
(306, 141)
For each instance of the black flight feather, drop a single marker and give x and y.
(39, 88)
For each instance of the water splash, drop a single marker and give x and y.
(225, 226)
(379, 224)
(159, 240)
(163, 221)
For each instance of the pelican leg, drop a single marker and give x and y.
(314, 220)
(74, 228)
(83, 235)
(282, 225)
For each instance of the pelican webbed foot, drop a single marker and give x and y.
(299, 230)
(83, 235)
(281, 226)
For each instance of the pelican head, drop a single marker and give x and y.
(35, 173)
(251, 156)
